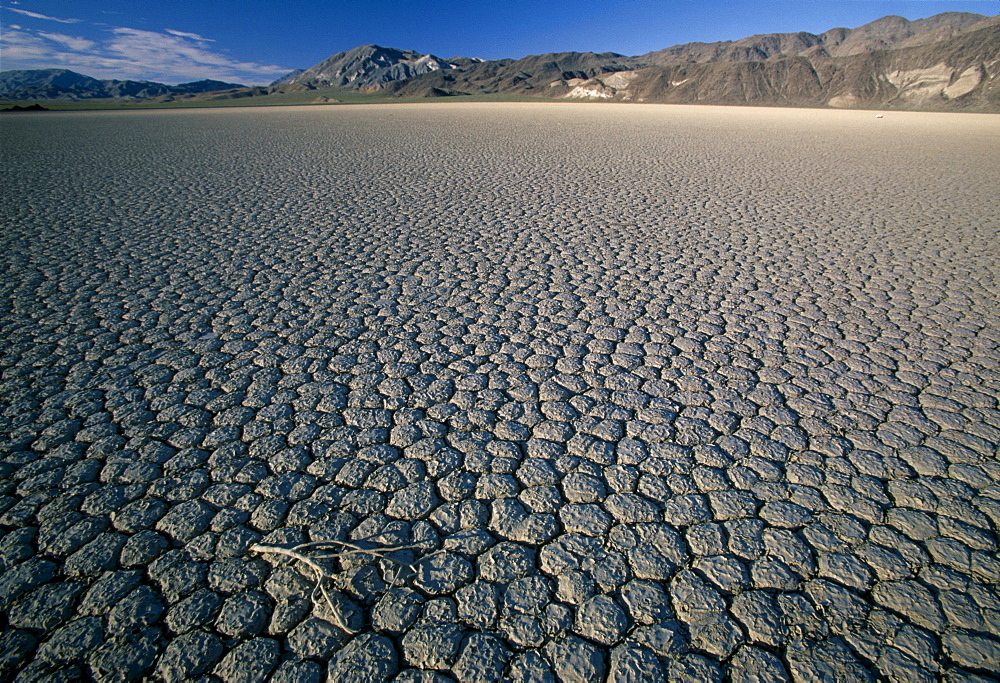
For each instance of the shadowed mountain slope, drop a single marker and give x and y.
(47, 84)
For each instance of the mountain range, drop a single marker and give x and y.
(49, 84)
(949, 61)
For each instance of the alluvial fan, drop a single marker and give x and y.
(525, 391)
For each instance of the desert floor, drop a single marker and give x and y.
(622, 391)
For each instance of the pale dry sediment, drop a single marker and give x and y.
(652, 391)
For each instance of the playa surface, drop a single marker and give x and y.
(636, 392)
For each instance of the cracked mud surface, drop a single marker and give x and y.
(658, 392)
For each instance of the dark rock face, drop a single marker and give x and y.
(30, 107)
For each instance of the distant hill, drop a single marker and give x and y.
(63, 84)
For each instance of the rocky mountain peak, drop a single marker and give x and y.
(367, 66)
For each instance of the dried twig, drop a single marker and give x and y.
(322, 575)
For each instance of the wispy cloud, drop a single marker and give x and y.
(70, 42)
(192, 36)
(36, 15)
(168, 56)
(176, 52)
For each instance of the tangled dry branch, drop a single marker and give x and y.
(319, 552)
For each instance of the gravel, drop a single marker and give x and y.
(655, 393)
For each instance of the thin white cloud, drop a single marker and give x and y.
(192, 36)
(170, 56)
(74, 43)
(36, 15)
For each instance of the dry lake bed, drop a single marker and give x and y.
(499, 391)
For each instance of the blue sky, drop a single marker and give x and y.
(256, 41)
